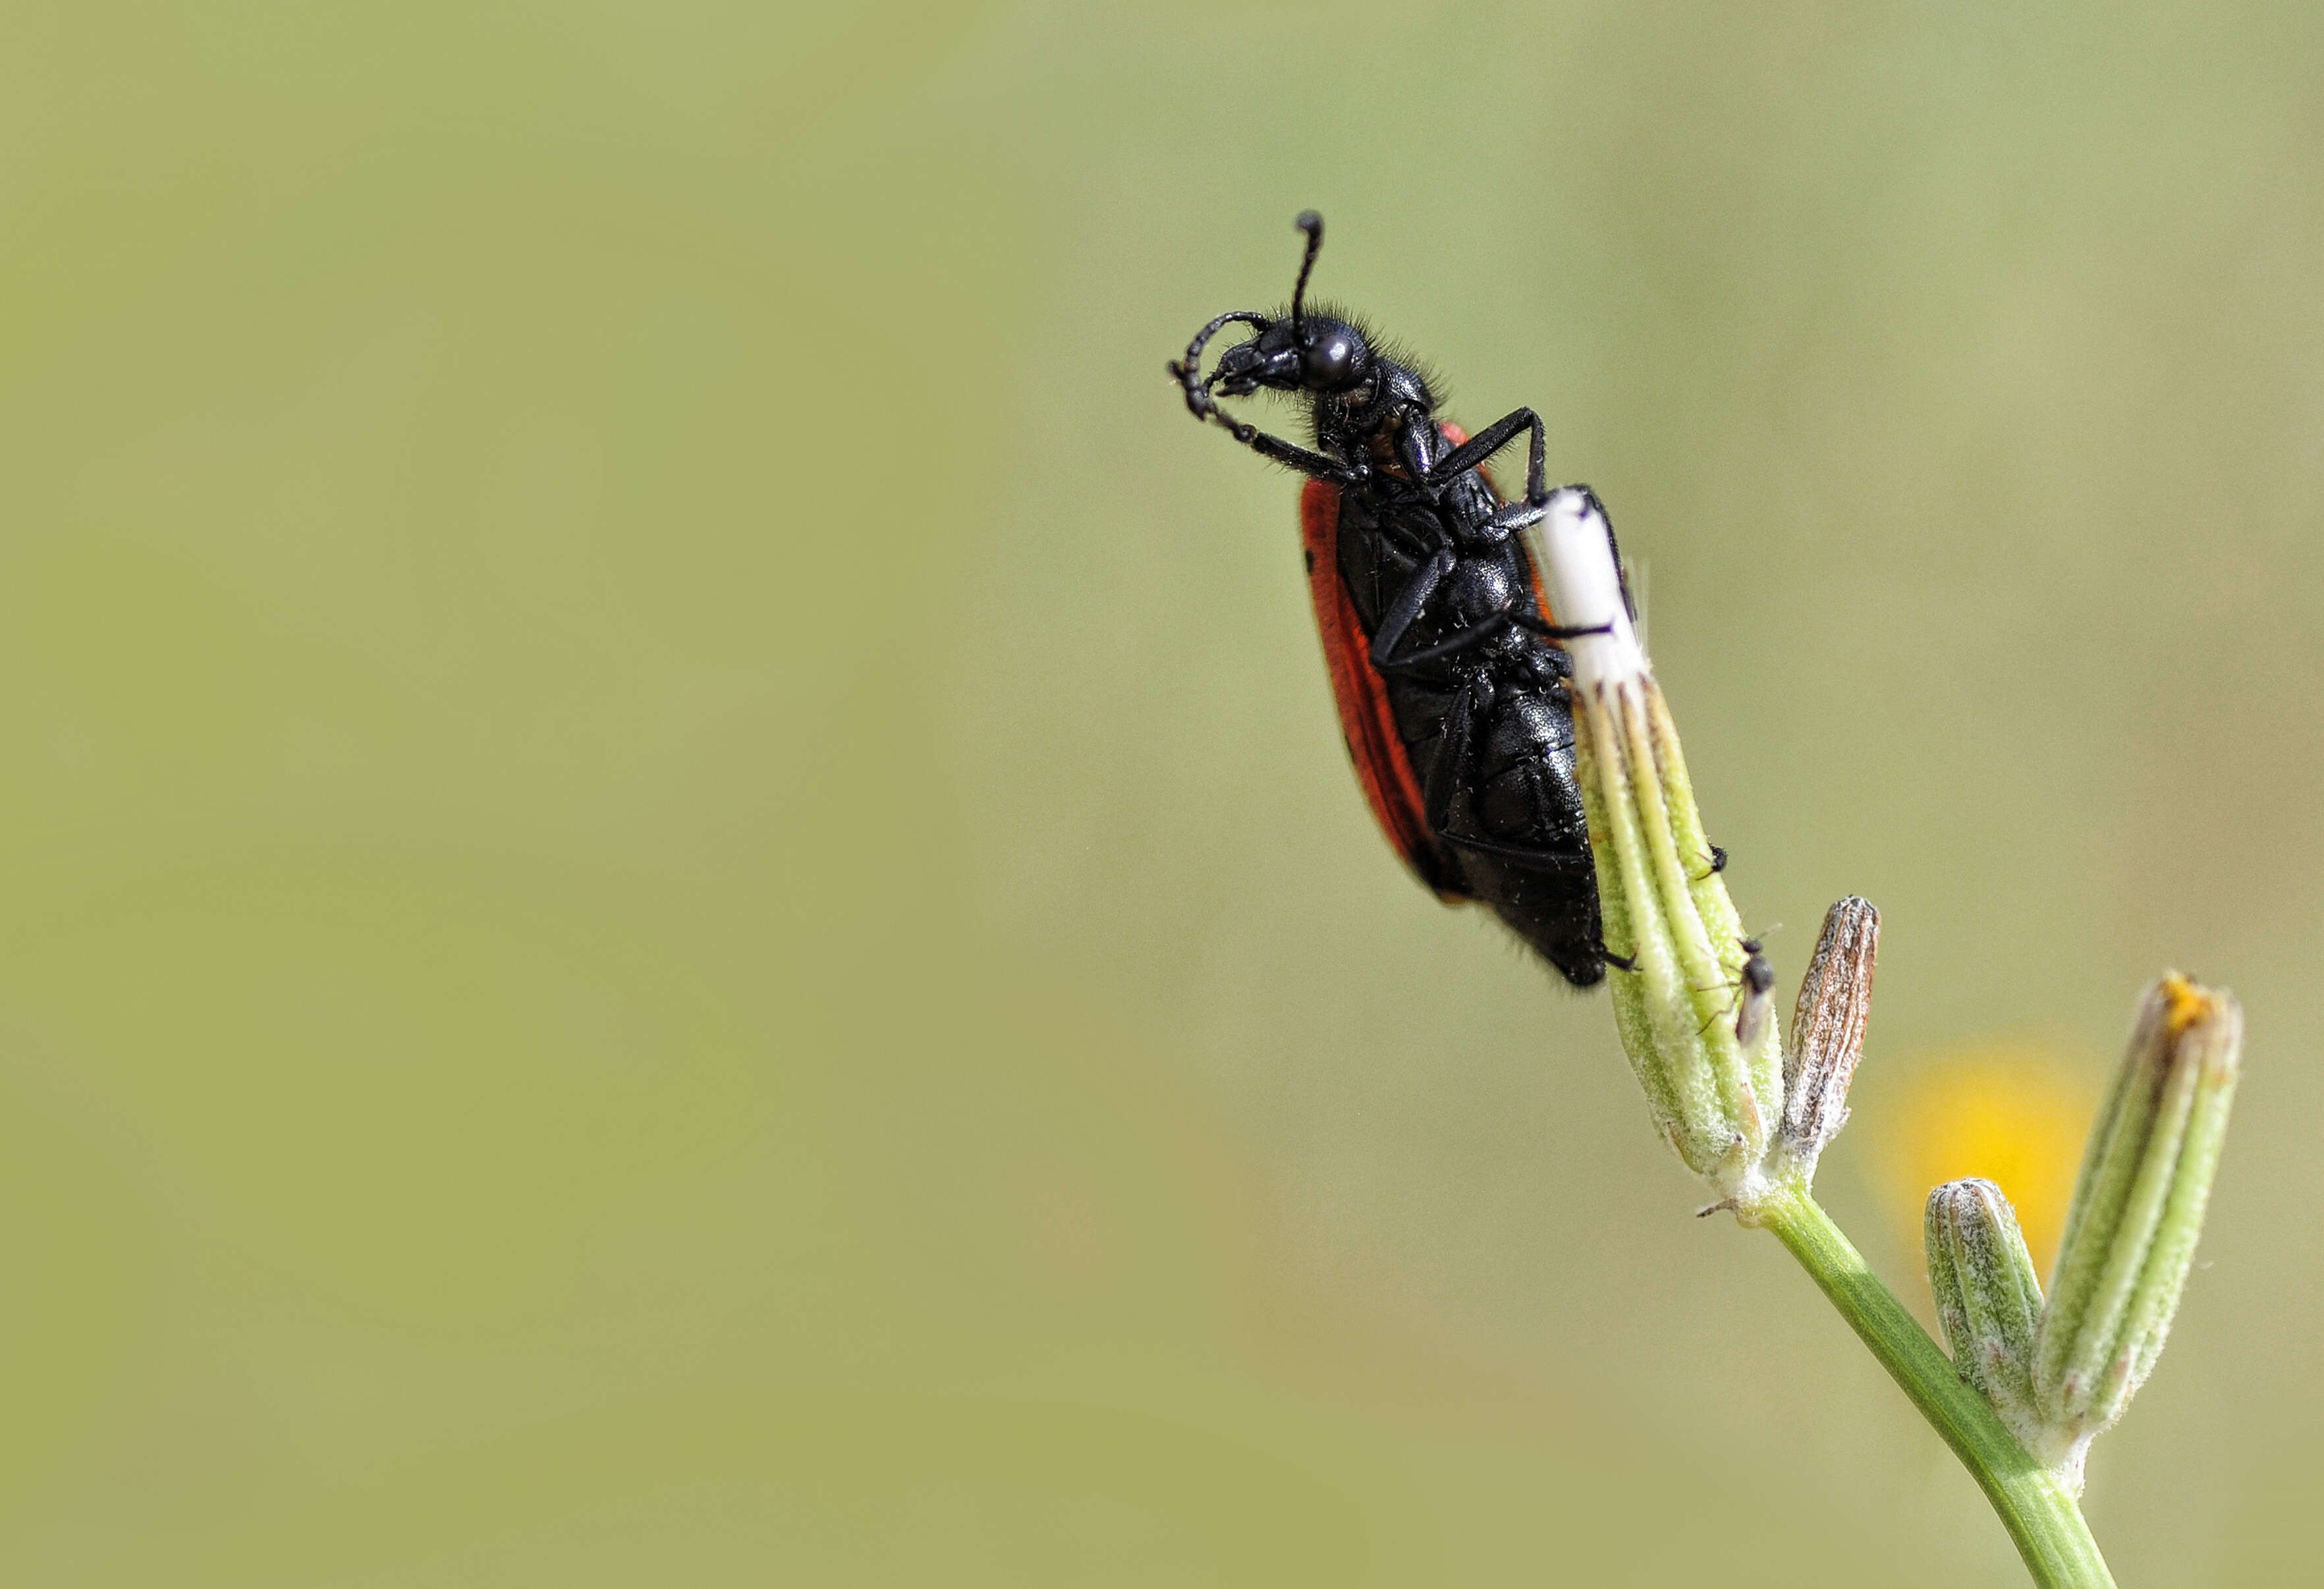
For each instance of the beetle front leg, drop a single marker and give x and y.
(1299, 458)
(1489, 441)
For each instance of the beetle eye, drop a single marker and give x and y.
(1331, 359)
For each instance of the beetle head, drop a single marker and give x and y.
(1318, 354)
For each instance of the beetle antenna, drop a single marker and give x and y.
(1312, 224)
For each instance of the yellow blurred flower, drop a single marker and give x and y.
(2012, 1113)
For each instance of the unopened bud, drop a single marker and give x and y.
(1716, 1098)
(2137, 1213)
(1988, 1297)
(1828, 1028)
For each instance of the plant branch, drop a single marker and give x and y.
(2040, 1515)
(2028, 1383)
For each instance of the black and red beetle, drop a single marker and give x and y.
(1452, 697)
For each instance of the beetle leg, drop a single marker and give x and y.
(1417, 442)
(1530, 859)
(1454, 750)
(1299, 458)
(1533, 626)
(1203, 405)
(1525, 858)
(1476, 633)
(1509, 519)
(1489, 441)
(1452, 646)
(1408, 601)
(1317, 464)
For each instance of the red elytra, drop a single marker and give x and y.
(1365, 723)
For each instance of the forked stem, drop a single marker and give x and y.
(2042, 1517)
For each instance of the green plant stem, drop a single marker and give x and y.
(2036, 1509)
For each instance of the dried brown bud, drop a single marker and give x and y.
(1827, 1034)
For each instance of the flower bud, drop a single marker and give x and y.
(1988, 1297)
(2137, 1210)
(1828, 1028)
(1716, 1099)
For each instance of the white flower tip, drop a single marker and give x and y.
(1573, 551)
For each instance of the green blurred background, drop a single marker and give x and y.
(678, 902)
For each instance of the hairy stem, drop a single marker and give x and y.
(2040, 1514)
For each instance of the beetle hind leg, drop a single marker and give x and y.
(1452, 774)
